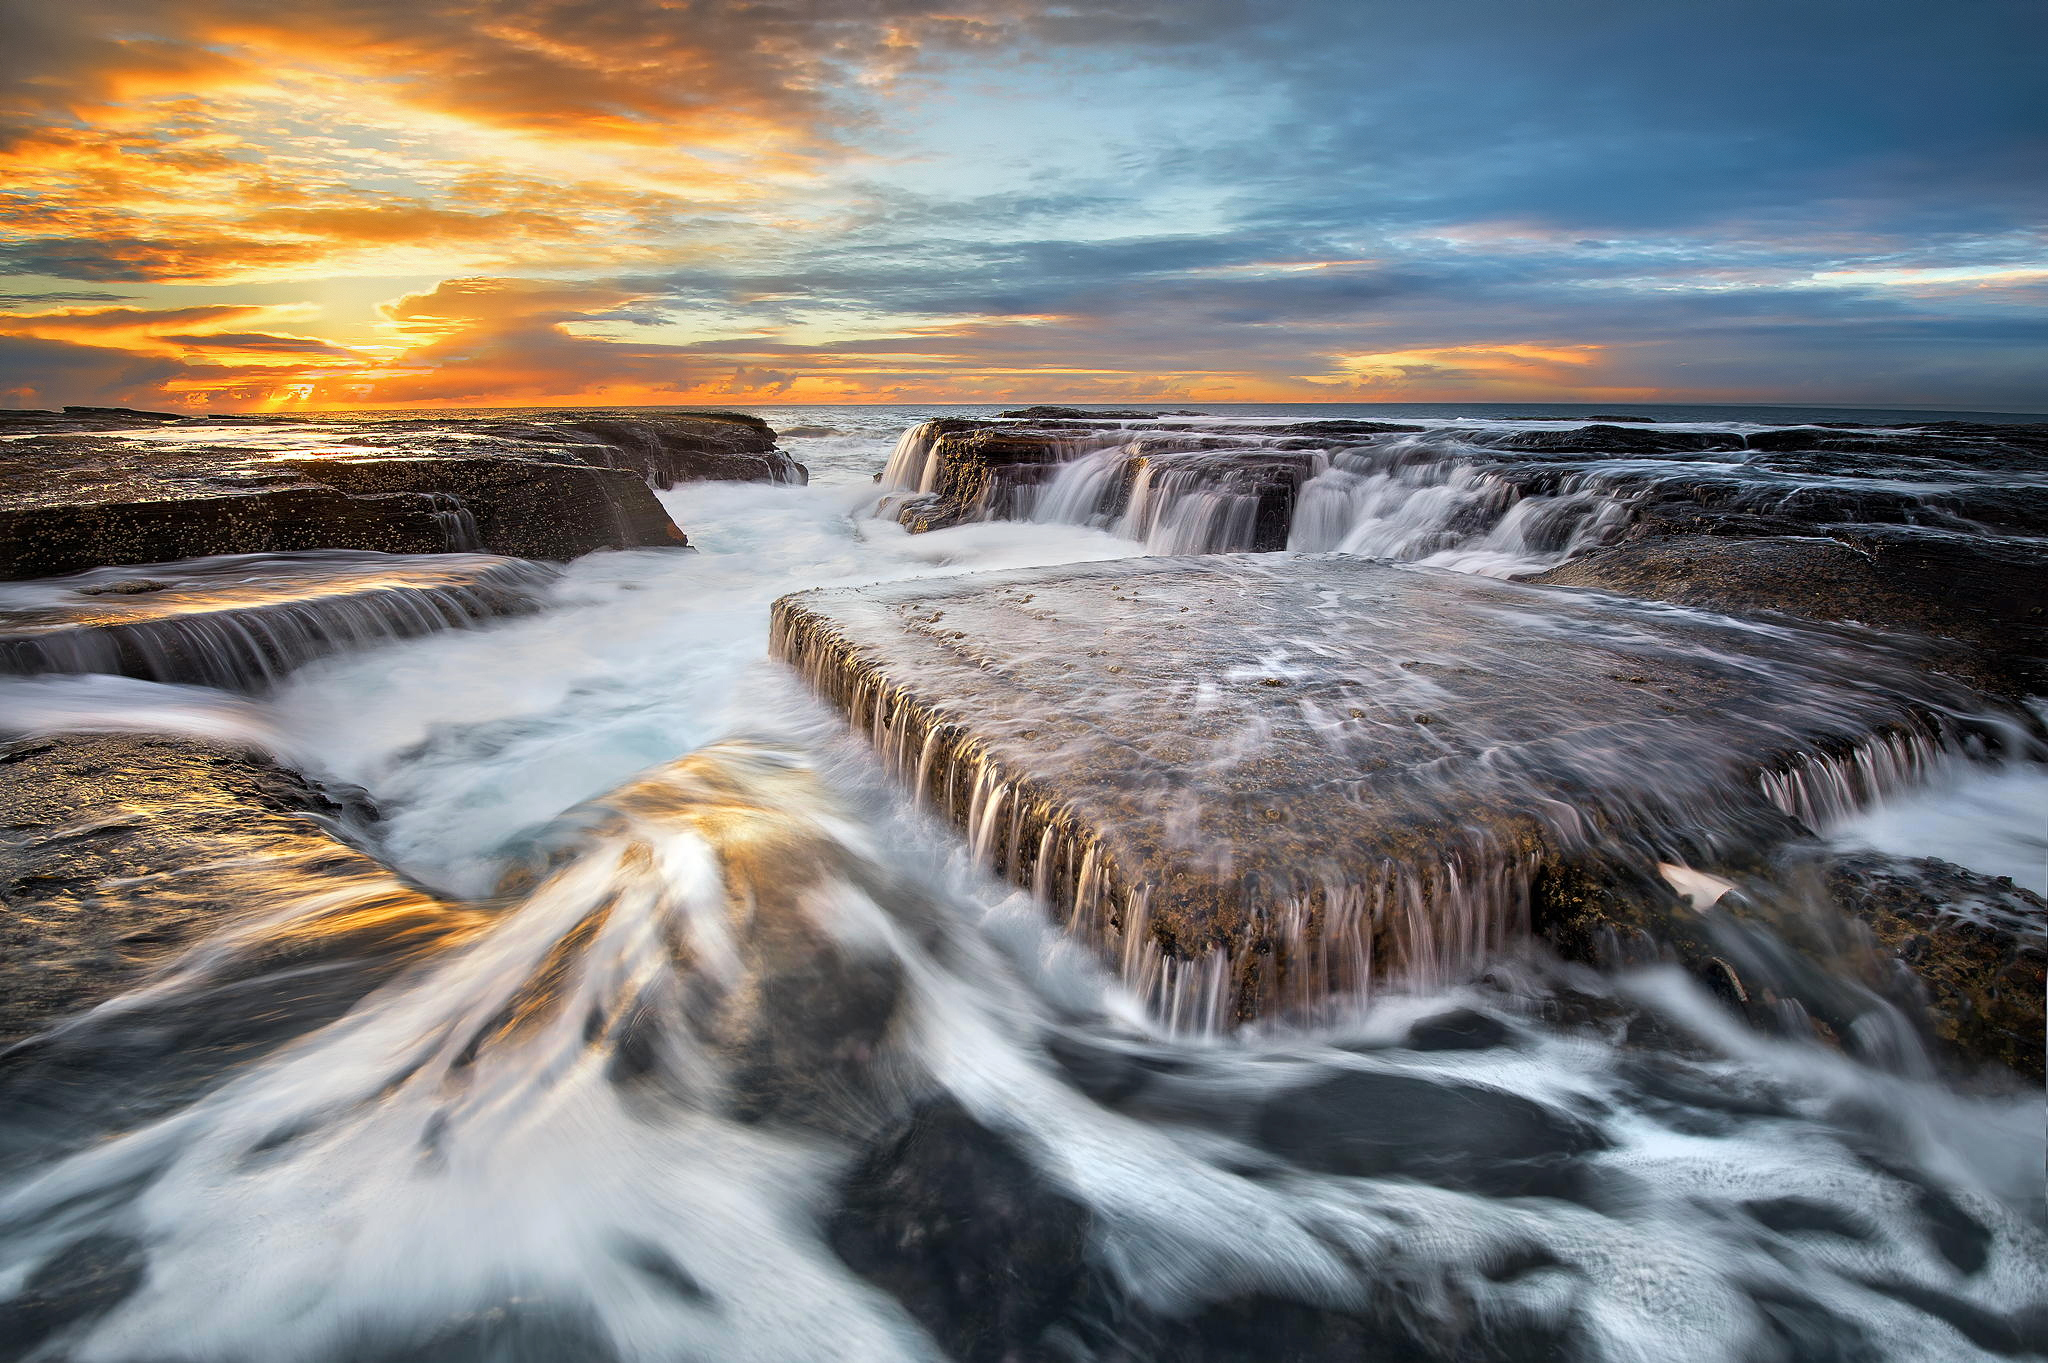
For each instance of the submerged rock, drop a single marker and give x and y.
(947, 1217)
(1253, 782)
(243, 620)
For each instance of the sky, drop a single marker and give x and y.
(227, 205)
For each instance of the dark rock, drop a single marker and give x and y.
(1978, 946)
(664, 448)
(244, 620)
(520, 508)
(1341, 428)
(1603, 439)
(1805, 1216)
(1466, 1029)
(1085, 414)
(20, 420)
(1464, 1136)
(951, 1220)
(80, 1283)
(984, 471)
(74, 502)
(1978, 591)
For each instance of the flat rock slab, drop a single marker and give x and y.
(241, 620)
(86, 488)
(1257, 780)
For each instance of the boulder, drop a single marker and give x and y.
(242, 620)
(1251, 782)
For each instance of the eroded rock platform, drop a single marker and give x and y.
(1254, 782)
(84, 489)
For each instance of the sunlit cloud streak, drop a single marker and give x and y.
(1322, 200)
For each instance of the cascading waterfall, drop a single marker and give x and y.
(1445, 512)
(1408, 502)
(911, 466)
(459, 531)
(242, 621)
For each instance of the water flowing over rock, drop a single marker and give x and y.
(715, 1075)
(1981, 592)
(84, 491)
(709, 1043)
(241, 621)
(1255, 782)
(1934, 531)
(124, 848)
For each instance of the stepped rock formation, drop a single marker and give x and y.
(1253, 782)
(240, 621)
(86, 488)
(1939, 530)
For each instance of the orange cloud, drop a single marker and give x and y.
(229, 140)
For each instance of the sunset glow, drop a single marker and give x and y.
(225, 205)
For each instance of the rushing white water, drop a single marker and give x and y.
(1992, 820)
(617, 1123)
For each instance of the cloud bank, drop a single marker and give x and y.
(226, 204)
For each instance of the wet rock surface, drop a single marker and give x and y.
(241, 621)
(947, 1217)
(1253, 781)
(1978, 946)
(121, 849)
(1938, 530)
(84, 491)
(1843, 947)
(1981, 593)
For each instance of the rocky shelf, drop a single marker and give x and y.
(240, 621)
(92, 487)
(123, 849)
(1932, 531)
(1256, 782)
